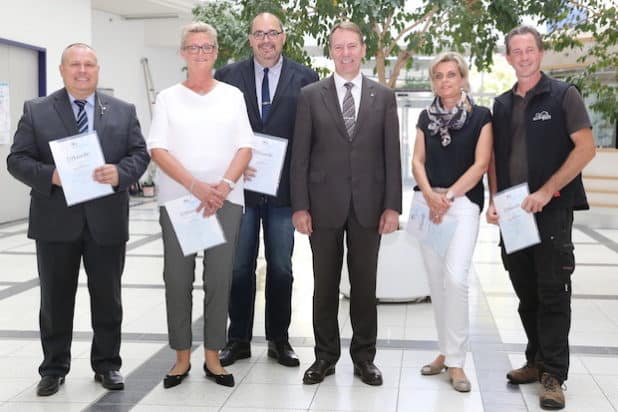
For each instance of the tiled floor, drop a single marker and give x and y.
(407, 340)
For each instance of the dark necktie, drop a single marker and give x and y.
(349, 111)
(82, 117)
(265, 96)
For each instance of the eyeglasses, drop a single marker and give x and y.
(260, 35)
(195, 49)
(449, 75)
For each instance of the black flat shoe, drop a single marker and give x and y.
(174, 380)
(223, 379)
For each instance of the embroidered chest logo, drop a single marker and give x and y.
(544, 115)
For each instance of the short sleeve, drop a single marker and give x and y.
(423, 120)
(157, 137)
(575, 111)
(485, 115)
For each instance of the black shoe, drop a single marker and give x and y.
(111, 380)
(283, 352)
(49, 385)
(223, 379)
(318, 371)
(233, 351)
(368, 372)
(174, 380)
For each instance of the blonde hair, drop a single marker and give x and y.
(198, 27)
(450, 56)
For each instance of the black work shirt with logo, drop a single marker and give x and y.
(576, 119)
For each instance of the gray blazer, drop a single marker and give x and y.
(30, 161)
(329, 172)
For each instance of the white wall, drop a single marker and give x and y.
(120, 46)
(51, 25)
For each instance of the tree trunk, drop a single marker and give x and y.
(402, 59)
(380, 66)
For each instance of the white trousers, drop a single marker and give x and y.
(448, 280)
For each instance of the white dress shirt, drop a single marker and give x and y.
(356, 90)
(273, 79)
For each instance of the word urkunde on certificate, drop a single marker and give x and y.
(193, 231)
(517, 226)
(267, 160)
(76, 157)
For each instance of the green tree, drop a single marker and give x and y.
(588, 29)
(397, 30)
(232, 19)
(225, 17)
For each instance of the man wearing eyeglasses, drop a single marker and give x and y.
(271, 84)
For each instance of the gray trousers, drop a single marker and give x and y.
(179, 275)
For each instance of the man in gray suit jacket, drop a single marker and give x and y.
(96, 230)
(345, 179)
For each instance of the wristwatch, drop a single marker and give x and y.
(450, 196)
(229, 182)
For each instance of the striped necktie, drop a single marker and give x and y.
(265, 96)
(82, 117)
(349, 110)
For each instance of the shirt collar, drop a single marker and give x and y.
(538, 88)
(259, 69)
(89, 99)
(340, 81)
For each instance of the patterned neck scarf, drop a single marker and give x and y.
(441, 120)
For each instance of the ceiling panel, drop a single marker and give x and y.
(145, 8)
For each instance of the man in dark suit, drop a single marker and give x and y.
(271, 84)
(345, 179)
(96, 230)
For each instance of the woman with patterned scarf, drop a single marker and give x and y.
(451, 154)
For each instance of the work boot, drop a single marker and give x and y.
(551, 395)
(526, 374)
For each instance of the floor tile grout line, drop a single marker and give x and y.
(4, 235)
(604, 240)
(307, 342)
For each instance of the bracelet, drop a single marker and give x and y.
(450, 196)
(191, 185)
(229, 182)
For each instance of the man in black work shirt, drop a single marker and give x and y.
(542, 136)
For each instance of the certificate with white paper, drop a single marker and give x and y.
(437, 236)
(267, 160)
(76, 157)
(517, 226)
(193, 231)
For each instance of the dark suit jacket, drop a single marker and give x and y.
(30, 161)
(329, 171)
(282, 113)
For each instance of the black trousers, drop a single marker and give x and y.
(362, 258)
(541, 277)
(58, 264)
